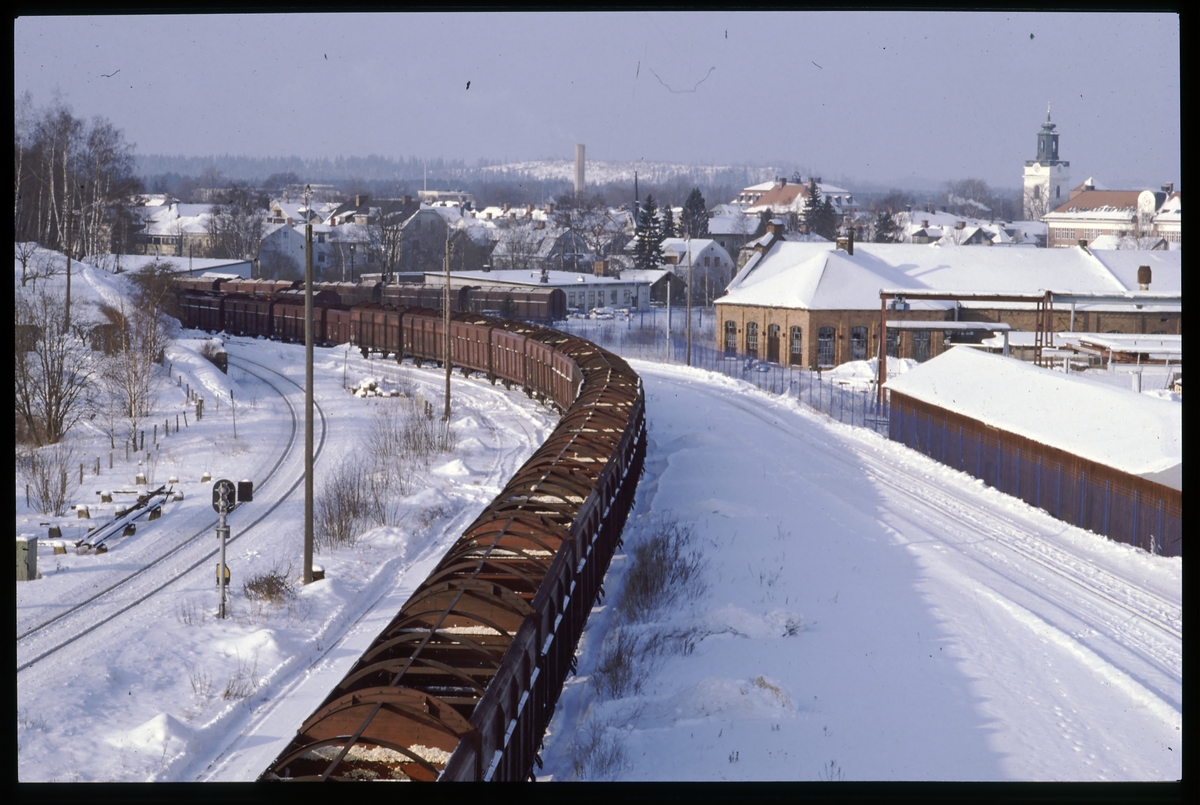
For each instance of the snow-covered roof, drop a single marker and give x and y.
(524, 277)
(817, 276)
(1135, 433)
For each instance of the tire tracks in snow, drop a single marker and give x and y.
(975, 539)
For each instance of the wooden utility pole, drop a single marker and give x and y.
(688, 241)
(446, 324)
(308, 392)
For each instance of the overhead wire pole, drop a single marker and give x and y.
(446, 323)
(308, 392)
(688, 241)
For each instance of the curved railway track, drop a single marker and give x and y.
(462, 683)
(82, 618)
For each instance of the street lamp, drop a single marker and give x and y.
(352, 279)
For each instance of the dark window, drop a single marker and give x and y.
(825, 346)
(920, 345)
(797, 347)
(773, 343)
(893, 344)
(858, 343)
(752, 339)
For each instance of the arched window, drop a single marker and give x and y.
(773, 343)
(752, 339)
(858, 343)
(825, 346)
(1058, 191)
(1037, 191)
(730, 337)
(797, 351)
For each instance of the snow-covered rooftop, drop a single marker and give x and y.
(818, 276)
(1131, 432)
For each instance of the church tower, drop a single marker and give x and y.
(1047, 178)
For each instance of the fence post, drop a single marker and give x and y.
(1158, 536)
(960, 440)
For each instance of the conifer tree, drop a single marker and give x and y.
(827, 223)
(812, 213)
(648, 249)
(693, 221)
(668, 222)
(885, 227)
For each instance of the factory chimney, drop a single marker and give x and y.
(579, 159)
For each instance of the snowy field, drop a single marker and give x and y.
(869, 614)
(858, 612)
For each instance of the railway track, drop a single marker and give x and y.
(101, 607)
(1107, 604)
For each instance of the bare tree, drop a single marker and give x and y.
(237, 224)
(52, 367)
(518, 247)
(131, 373)
(36, 262)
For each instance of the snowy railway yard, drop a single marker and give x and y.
(856, 611)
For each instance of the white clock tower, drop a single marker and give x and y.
(1047, 178)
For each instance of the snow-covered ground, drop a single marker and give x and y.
(863, 613)
(870, 614)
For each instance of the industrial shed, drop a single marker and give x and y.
(1095, 456)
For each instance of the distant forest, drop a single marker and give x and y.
(495, 182)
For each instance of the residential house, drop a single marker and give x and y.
(710, 266)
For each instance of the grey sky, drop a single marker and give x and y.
(878, 97)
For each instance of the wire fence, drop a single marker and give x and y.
(856, 405)
(1099, 505)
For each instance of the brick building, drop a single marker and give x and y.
(817, 305)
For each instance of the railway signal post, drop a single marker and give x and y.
(225, 496)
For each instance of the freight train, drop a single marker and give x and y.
(462, 683)
(255, 297)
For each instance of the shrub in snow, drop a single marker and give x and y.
(47, 473)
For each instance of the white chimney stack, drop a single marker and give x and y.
(579, 159)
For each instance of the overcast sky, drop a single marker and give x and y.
(877, 97)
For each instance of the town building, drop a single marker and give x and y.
(1129, 215)
(584, 292)
(818, 304)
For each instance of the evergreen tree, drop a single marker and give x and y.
(648, 249)
(812, 213)
(827, 223)
(668, 222)
(885, 227)
(693, 221)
